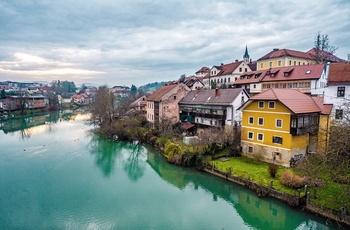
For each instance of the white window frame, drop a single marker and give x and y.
(252, 138)
(278, 119)
(262, 121)
(262, 139)
(249, 120)
(262, 106)
(274, 104)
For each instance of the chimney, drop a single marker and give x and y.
(349, 57)
(236, 60)
(217, 92)
(197, 90)
(222, 63)
(276, 49)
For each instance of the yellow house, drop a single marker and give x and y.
(284, 57)
(280, 124)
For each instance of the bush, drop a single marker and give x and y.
(290, 180)
(273, 168)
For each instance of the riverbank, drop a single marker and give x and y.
(302, 201)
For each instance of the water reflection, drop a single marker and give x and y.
(135, 163)
(39, 124)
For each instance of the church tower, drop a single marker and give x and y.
(246, 55)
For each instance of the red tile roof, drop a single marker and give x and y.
(325, 109)
(203, 70)
(157, 95)
(276, 53)
(250, 77)
(294, 100)
(300, 72)
(339, 73)
(325, 55)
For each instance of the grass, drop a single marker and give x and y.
(332, 195)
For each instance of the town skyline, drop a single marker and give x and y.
(125, 43)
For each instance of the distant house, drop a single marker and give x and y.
(122, 91)
(213, 107)
(163, 104)
(227, 74)
(337, 91)
(280, 124)
(80, 99)
(139, 105)
(29, 102)
(204, 71)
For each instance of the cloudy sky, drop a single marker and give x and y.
(124, 42)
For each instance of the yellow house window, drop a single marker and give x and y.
(250, 135)
(260, 137)
(251, 120)
(261, 104)
(278, 123)
(261, 121)
(277, 140)
(250, 149)
(271, 104)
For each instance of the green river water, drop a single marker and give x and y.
(56, 174)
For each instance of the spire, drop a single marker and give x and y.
(246, 55)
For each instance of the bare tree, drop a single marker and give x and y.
(102, 107)
(323, 48)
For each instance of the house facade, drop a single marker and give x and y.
(213, 107)
(284, 57)
(163, 103)
(280, 124)
(337, 92)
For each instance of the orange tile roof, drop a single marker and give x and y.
(339, 73)
(300, 72)
(325, 108)
(245, 79)
(157, 95)
(294, 100)
(286, 52)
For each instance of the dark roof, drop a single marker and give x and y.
(327, 56)
(339, 73)
(276, 53)
(157, 95)
(203, 70)
(294, 100)
(208, 97)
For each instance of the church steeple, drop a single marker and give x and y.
(246, 55)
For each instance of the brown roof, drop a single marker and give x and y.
(251, 77)
(325, 109)
(229, 68)
(208, 97)
(339, 73)
(203, 70)
(276, 53)
(142, 101)
(294, 100)
(300, 72)
(157, 95)
(325, 55)
(252, 65)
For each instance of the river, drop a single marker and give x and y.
(56, 174)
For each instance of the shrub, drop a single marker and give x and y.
(290, 180)
(273, 168)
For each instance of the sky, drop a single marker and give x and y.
(125, 42)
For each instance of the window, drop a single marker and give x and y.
(295, 63)
(251, 120)
(279, 63)
(261, 121)
(262, 65)
(245, 69)
(250, 135)
(254, 86)
(270, 64)
(277, 140)
(174, 97)
(250, 149)
(229, 79)
(240, 69)
(279, 123)
(272, 104)
(261, 104)
(290, 62)
(338, 114)
(341, 92)
(286, 74)
(260, 137)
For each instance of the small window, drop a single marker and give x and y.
(270, 64)
(260, 137)
(338, 114)
(254, 86)
(251, 120)
(240, 69)
(295, 63)
(250, 149)
(277, 140)
(261, 104)
(286, 74)
(271, 104)
(174, 97)
(262, 65)
(279, 123)
(308, 72)
(245, 69)
(250, 135)
(261, 121)
(290, 62)
(279, 63)
(341, 92)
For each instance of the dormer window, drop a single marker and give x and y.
(249, 76)
(286, 74)
(273, 75)
(257, 75)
